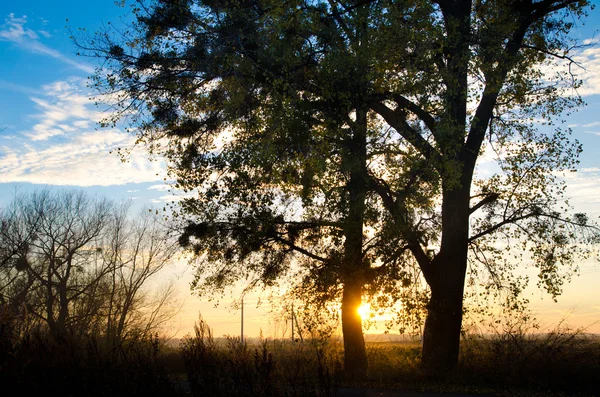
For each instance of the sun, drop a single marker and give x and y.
(364, 311)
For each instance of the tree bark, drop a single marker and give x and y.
(355, 355)
(441, 337)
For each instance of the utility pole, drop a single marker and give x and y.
(292, 322)
(242, 330)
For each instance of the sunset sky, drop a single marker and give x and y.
(51, 139)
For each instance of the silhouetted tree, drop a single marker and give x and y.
(79, 266)
(138, 250)
(298, 122)
(312, 164)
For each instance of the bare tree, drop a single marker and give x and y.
(139, 250)
(80, 265)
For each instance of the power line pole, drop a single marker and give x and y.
(242, 330)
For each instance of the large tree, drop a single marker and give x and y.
(342, 109)
(279, 174)
(484, 83)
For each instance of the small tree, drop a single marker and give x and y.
(139, 249)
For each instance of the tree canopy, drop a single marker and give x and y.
(347, 134)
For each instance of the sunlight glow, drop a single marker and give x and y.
(364, 311)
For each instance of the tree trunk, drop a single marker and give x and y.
(441, 336)
(355, 355)
(63, 310)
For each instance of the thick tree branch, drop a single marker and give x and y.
(534, 213)
(487, 200)
(398, 122)
(301, 250)
(543, 8)
(500, 224)
(386, 194)
(405, 103)
(196, 230)
(485, 109)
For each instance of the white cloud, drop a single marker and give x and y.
(588, 125)
(162, 188)
(589, 58)
(77, 163)
(585, 67)
(589, 41)
(176, 197)
(583, 189)
(62, 149)
(14, 31)
(62, 101)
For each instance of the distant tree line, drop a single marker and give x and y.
(73, 266)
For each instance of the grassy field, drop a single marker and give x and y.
(556, 363)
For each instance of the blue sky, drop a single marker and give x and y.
(51, 137)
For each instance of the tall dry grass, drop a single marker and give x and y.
(39, 364)
(270, 368)
(510, 361)
(562, 359)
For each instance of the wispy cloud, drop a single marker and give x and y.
(9, 85)
(583, 189)
(173, 196)
(14, 31)
(589, 73)
(76, 163)
(589, 41)
(176, 197)
(583, 64)
(162, 188)
(63, 148)
(60, 102)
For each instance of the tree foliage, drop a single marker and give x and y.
(351, 132)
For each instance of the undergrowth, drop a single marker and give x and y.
(513, 362)
(39, 364)
(271, 368)
(562, 359)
